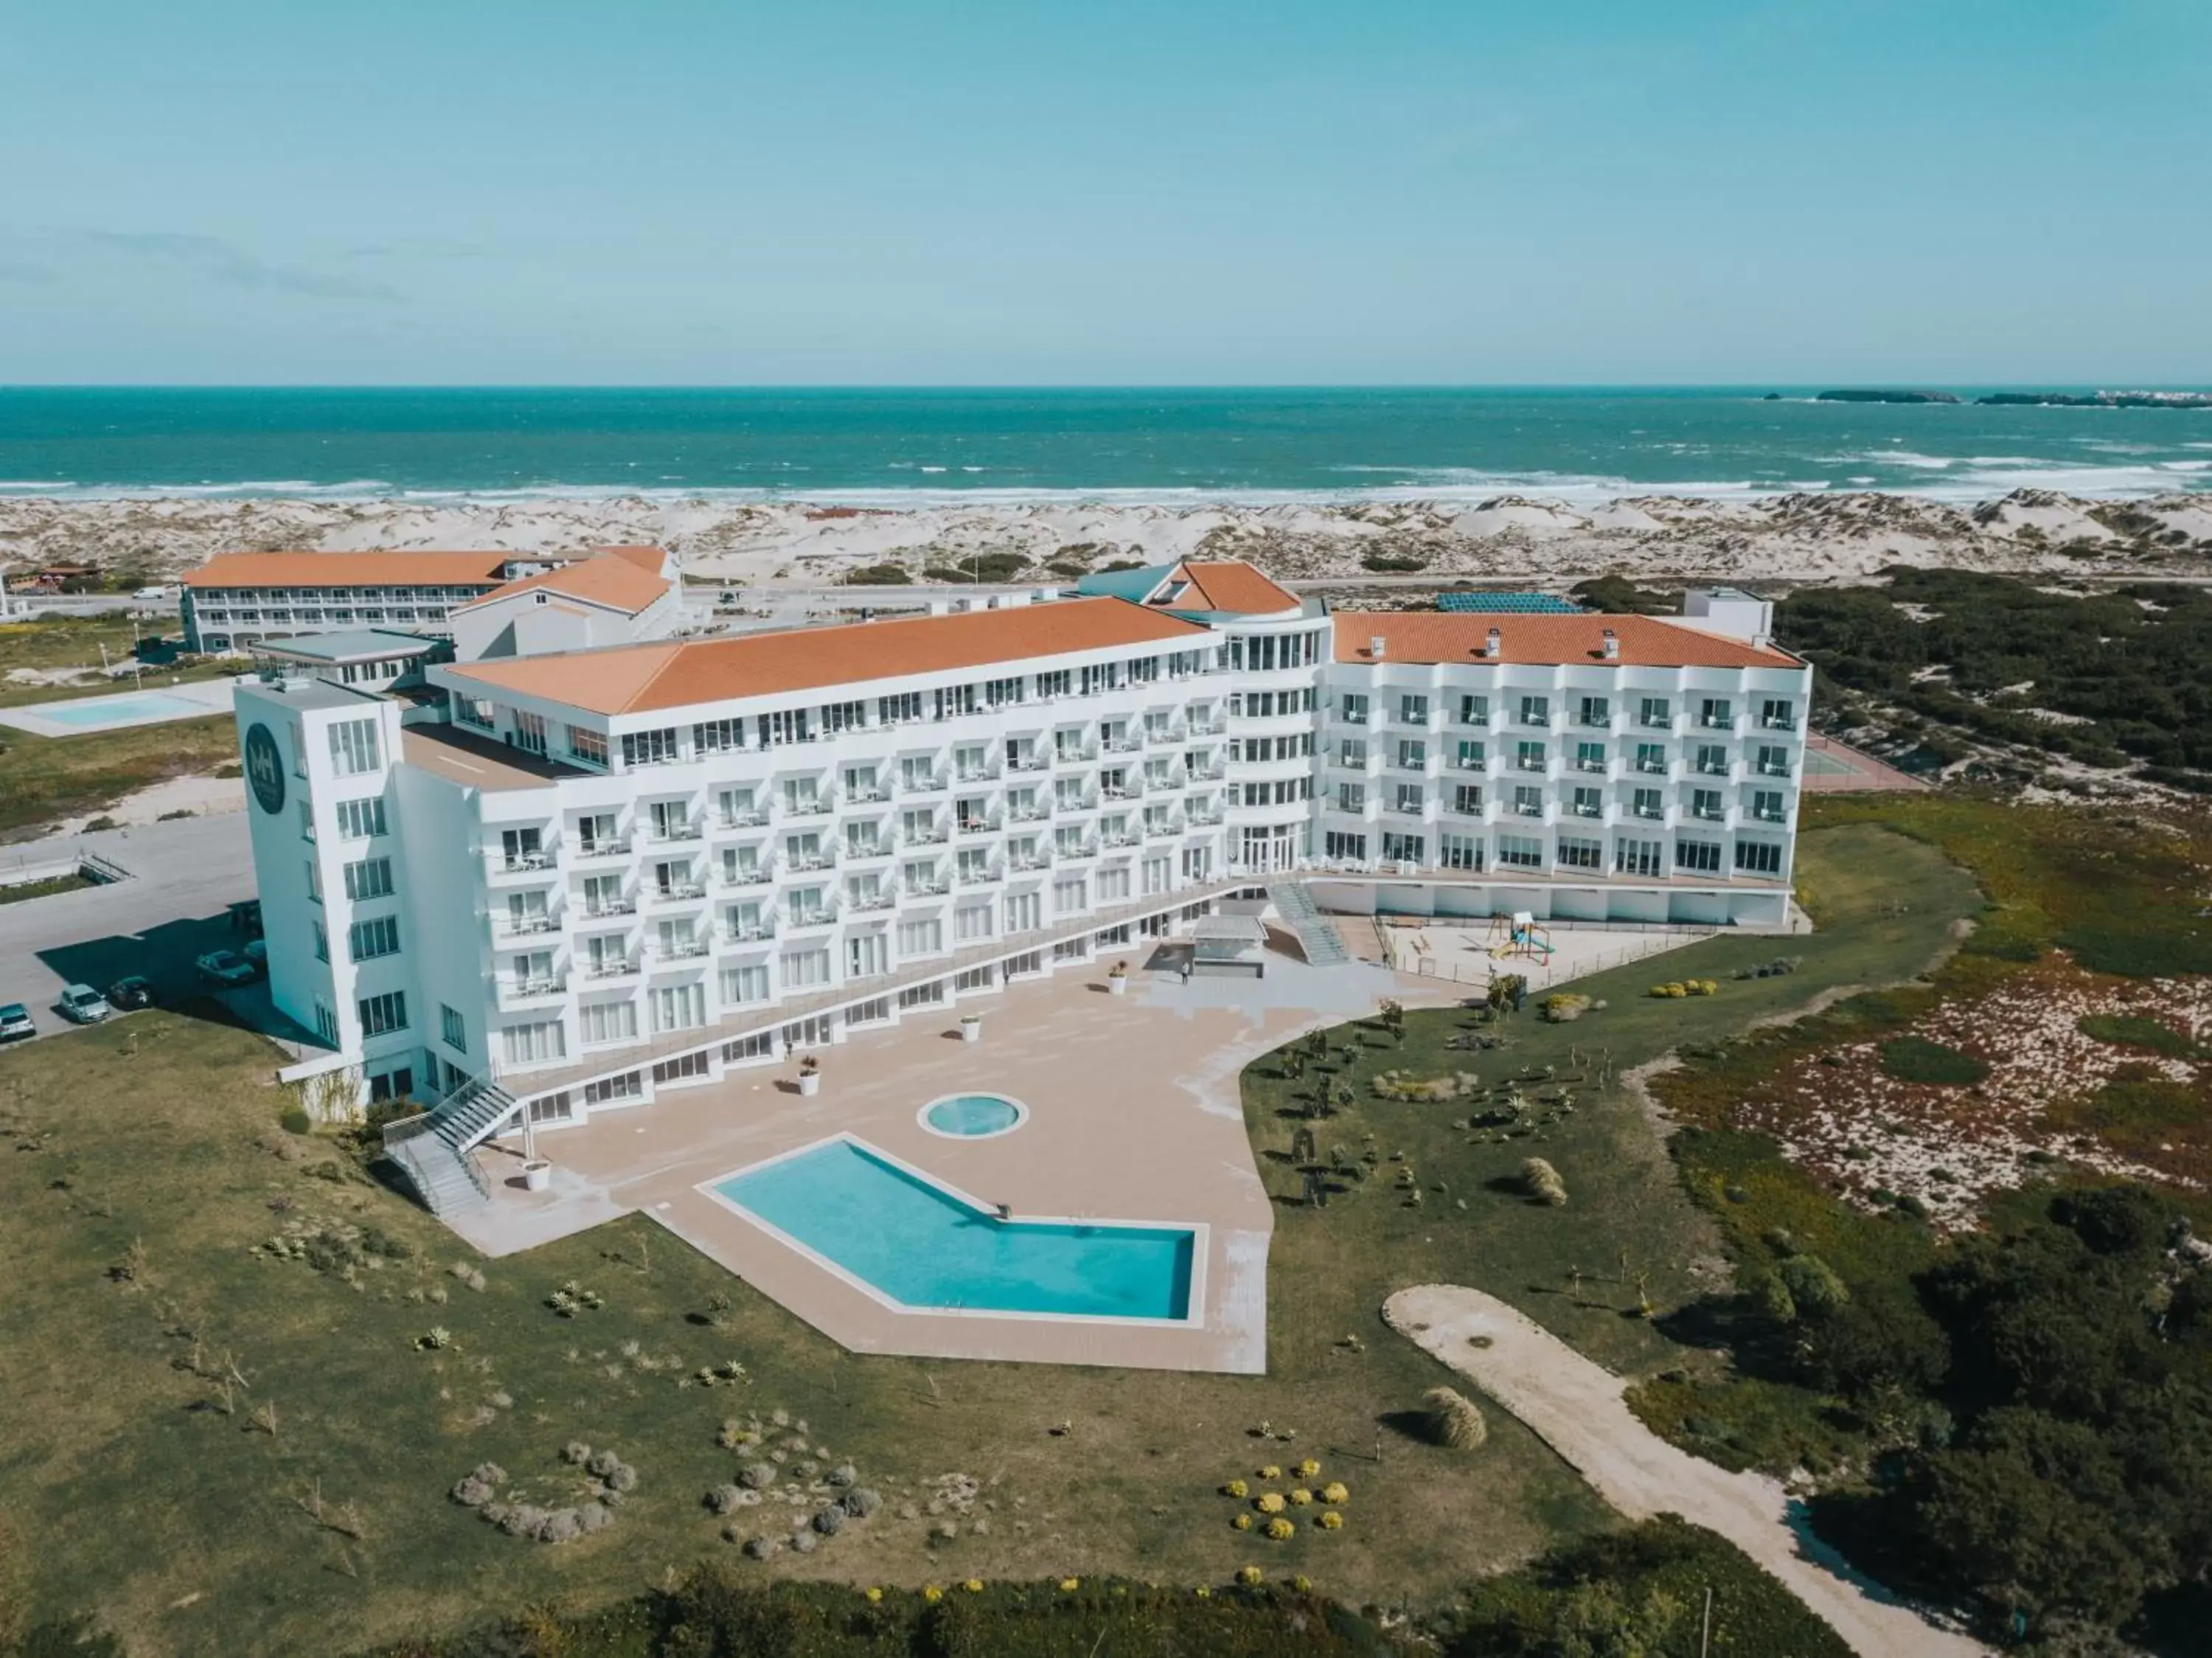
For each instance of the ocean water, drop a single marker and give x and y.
(897, 447)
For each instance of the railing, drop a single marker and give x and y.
(758, 875)
(512, 928)
(742, 821)
(619, 907)
(748, 934)
(604, 969)
(871, 901)
(681, 949)
(521, 990)
(523, 864)
(680, 892)
(603, 849)
(677, 832)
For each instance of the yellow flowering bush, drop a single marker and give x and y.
(1250, 1576)
(1269, 1502)
(1335, 1491)
(1203, 1593)
(1281, 1530)
(1331, 1520)
(1271, 1471)
(1302, 1584)
(1309, 1468)
(1301, 1496)
(1242, 1522)
(874, 1595)
(1236, 1488)
(1069, 1585)
(974, 1585)
(932, 1594)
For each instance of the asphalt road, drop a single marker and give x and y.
(184, 875)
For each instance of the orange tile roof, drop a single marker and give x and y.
(1645, 641)
(1232, 586)
(350, 570)
(638, 678)
(646, 559)
(611, 580)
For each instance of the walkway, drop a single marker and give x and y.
(1575, 1406)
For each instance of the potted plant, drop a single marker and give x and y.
(810, 1075)
(971, 1027)
(537, 1174)
(1117, 979)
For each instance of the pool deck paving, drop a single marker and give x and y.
(1134, 1115)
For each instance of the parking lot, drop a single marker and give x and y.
(183, 877)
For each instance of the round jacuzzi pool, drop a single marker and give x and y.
(973, 1116)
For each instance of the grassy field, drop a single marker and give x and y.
(52, 642)
(220, 1449)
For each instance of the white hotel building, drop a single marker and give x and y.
(597, 873)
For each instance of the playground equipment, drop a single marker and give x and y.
(1518, 936)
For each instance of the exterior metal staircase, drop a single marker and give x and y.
(1322, 948)
(432, 1148)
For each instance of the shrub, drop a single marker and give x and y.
(1543, 1183)
(2133, 1030)
(1813, 1289)
(296, 1121)
(879, 576)
(1916, 1059)
(1454, 1420)
(1384, 563)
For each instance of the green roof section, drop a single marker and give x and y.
(1508, 604)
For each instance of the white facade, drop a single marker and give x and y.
(585, 907)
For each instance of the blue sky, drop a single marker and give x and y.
(833, 192)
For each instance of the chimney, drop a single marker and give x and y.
(1494, 646)
(1612, 646)
(1376, 646)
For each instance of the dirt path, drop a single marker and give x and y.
(1575, 1405)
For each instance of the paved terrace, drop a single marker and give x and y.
(1135, 1115)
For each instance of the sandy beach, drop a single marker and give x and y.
(1788, 538)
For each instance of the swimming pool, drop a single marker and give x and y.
(973, 1116)
(90, 711)
(921, 1247)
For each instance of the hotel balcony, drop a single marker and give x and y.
(1028, 814)
(980, 825)
(821, 914)
(863, 851)
(529, 926)
(611, 909)
(867, 903)
(688, 949)
(1026, 864)
(758, 875)
(599, 851)
(1036, 762)
(1082, 754)
(730, 820)
(601, 971)
(675, 833)
(978, 877)
(756, 934)
(519, 992)
(921, 785)
(684, 892)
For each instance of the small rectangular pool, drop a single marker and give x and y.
(925, 1247)
(89, 712)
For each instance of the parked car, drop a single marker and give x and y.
(82, 1005)
(257, 956)
(226, 967)
(127, 995)
(16, 1022)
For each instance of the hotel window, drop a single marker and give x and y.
(603, 895)
(1412, 711)
(1714, 714)
(1651, 758)
(744, 985)
(1113, 886)
(808, 905)
(683, 1007)
(997, 693)
(360, 820)
(844, 716)
(1528, 756)
(971, 922)
(1459, 852)
(1778, 714)
(656, 747)
(1590, 756)
(1712, 760)
(1706, 803)
(1577, 854)
(1638, 858)
(1403, 848)
(1475, 710)
(1467, 799)
(307, 820)
(866, 954)
(953, 700)
(530, 1044)
(1412, 754)
(1588, 802)
(1759, 857)
(1101, 676)
(453, 1029)
(367, 940)
(1520, 852)
(322, 942)
(1655, 711)
(1702, 856)
(800, 794)
(1535, 710)
(1352, 709)
(628, 1086)
(1648, 803)
(381, 1014)
(1025, 912)
(784, 725)
(1351, 797)
(529, 733)
(715, 736)
(327, 1022)
(353, 747)
(1767, 805)
(917, 771)
(860, 783)
(1528, 801)
(1473, 756)
(1409, 799)
(1070, 897)
(683, 1067)
(1773, 760)
(1351, 752)
(974, 864)
(922, 937)
(1337, 846)
(903, 708)
(1059, 683)
(370, 878)
(1595, 711)
(588, 745)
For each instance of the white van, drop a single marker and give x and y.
(155, 593)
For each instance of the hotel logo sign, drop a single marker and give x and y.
(265, 768)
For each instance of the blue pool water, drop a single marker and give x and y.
(925, 1248)
(973, 1116)
(93, 711)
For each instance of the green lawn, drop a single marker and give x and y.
(44, 779)
(143, 1161)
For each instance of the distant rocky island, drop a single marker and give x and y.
(1887, 397)
(2100, 399)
